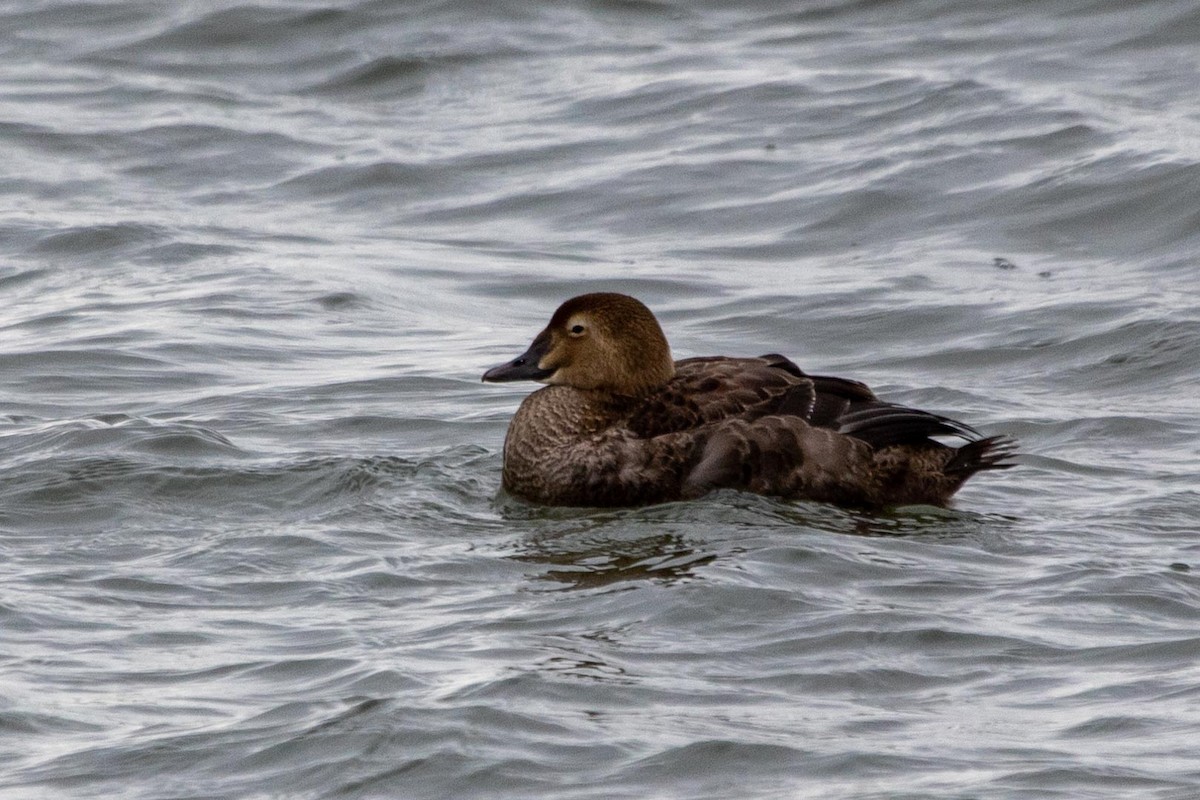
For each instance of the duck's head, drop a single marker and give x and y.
(604, 341)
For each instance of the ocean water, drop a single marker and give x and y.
(254, 257)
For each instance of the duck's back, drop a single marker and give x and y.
(708, 390)
(716, 388)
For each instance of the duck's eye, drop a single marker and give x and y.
(577, 330)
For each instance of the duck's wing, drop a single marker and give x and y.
(763, 425)
(845, 446)
(714, 389)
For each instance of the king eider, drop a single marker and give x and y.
(620, 423)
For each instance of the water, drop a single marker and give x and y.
(254, 258)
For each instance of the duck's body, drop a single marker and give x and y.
(622, 424)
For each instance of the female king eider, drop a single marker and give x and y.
(620, 424)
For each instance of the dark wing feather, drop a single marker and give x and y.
(842, 387)
(835, 397)
(882, 424)
(851, 408)
(776, 361)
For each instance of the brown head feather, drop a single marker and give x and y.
(607, 341)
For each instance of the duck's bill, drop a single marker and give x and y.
(522, 368)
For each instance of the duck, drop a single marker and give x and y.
(619, 422)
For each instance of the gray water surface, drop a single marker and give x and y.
(255, 256)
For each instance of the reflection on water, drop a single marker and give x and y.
(596, 556)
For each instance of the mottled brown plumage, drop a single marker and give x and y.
(621, 424)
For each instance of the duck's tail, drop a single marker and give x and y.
(992, 452)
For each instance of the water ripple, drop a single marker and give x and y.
(256, 256)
